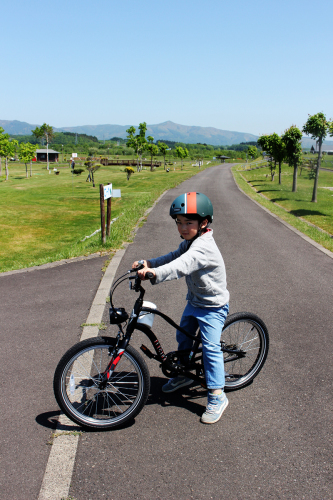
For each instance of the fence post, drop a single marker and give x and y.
(108, 216)
(101, 194)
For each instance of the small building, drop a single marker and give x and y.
(53, 155)
(223, 158)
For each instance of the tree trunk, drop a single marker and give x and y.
(295, 179)
(47, 156)
(280, 162)
(26, 170)
(6, 163)
(30, 168)
(314, 194)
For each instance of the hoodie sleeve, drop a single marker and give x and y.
(185, 264)
(165, 259)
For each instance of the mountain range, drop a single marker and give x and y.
(163, 131)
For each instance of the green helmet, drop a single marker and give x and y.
(192, 203)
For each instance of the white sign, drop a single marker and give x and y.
(74, 155)
(116, 193)
(107, 191)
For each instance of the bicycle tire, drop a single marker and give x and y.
(88, 404)
(247, 332)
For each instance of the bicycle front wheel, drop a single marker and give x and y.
(87, 398)
(247, 335)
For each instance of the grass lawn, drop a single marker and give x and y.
(45, 217)
(295, 208)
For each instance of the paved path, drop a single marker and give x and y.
(41, 313)
(274, 440)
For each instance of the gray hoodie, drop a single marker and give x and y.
(203, 267)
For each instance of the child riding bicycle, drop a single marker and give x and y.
(200, 261)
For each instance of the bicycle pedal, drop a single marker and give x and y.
(147, 352)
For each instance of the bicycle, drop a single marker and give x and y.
(104, 382)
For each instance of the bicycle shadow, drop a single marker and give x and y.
(186, 398)
(183, 399)
(192, 398)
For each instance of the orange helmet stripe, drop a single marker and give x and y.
(191, 203)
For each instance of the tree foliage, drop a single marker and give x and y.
(163, 148)
(278, 150)
(292, 139)
(181, 153)
(317, 126)
(26, 154)
(137, 141)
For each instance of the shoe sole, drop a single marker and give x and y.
(184, 384)
(218, 418)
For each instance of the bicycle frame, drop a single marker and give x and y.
(173, 363)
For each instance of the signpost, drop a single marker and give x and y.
(107, 193)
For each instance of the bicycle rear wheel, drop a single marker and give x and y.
(81, 393)
(246, 333)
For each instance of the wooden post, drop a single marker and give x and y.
(101, 193)
(108, 216)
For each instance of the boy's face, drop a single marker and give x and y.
(188, 228)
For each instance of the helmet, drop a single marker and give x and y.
(192, 203)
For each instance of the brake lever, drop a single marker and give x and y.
(138, 268)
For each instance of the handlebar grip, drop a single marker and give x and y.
(149, 275)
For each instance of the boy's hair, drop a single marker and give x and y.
(194, 217)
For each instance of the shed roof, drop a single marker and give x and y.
(46, 150)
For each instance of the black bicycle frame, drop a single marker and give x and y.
(160, 355)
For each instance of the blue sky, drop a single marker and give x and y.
(249, 66)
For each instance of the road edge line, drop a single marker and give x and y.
(60, 465)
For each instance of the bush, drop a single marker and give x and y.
(129, 171)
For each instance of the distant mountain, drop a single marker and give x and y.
(15, 127)
(163, 131)
(168, 131)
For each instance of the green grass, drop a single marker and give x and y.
(295, 208)
(45, 217)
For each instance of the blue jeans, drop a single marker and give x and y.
(210, 320)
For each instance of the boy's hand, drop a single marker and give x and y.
(144, 270)
(137, 263)
(143, 274)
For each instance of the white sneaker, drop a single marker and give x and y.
(216, 405)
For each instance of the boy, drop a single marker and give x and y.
(200, 261)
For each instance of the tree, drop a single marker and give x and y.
(252, 151)
(163, 150)
(7, 149)
(292, 139)
(137, 142)
(264, 143)
(47, 132)
(181, 153)
(26, 154)
(152, 148)
(3, 139)
(317, 126)
(278, 149)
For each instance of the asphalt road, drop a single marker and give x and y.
(274, 441)
(41, 312)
